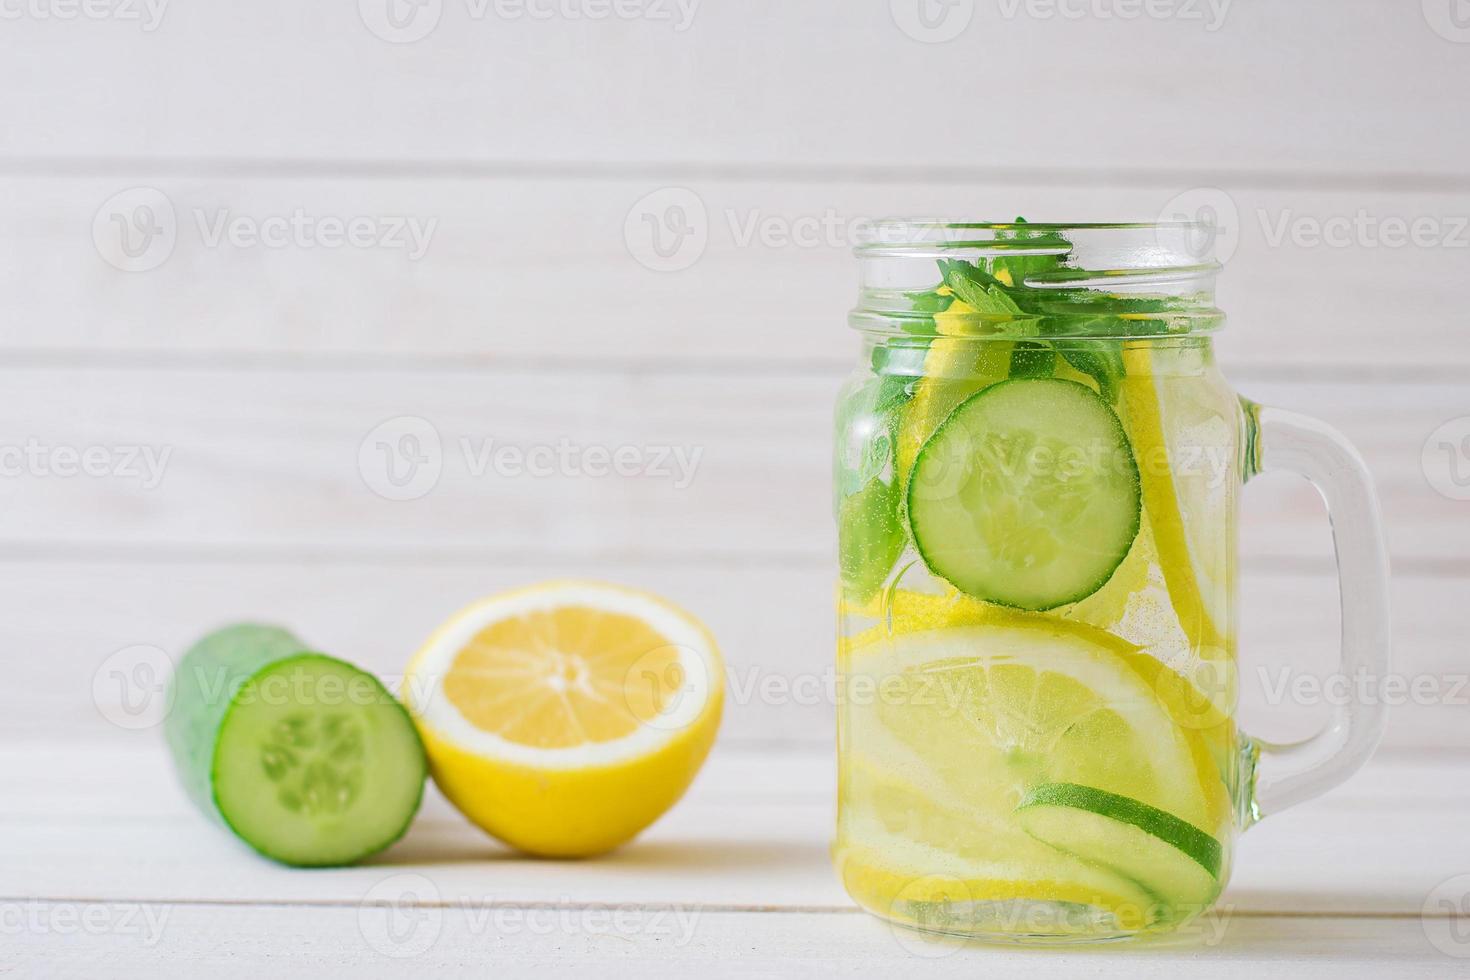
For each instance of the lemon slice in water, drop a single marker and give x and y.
(1184, 432)
(978, 718)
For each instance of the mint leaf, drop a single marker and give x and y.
(931, 301)
(1014, 269)
(1101, 361)
(1033, 359)
(975, 287)
(968, 282)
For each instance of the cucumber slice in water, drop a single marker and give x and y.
(1170, 857)
(306, 758)
(1027, 495)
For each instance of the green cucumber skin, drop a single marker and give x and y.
(202, 691)
(1185, 837)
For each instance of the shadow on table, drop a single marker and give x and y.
(433, 842)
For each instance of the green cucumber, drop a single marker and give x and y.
(306, 758)
(1170, 857)
(1027, 495)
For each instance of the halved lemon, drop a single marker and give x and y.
(566, 717)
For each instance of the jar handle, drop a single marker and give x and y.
(1288, 442)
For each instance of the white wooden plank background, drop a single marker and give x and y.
(1311, 87)
(71, 618)
(269, 460)
(539, 270)
(528, 319)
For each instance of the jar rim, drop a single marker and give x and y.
(1048, 279)
(1182, 243)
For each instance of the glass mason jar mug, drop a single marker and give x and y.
(1037, 478)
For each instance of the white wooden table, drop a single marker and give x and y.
(106, 870)
(531, 319)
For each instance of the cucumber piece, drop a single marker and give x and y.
(1027, 495)
(1170, 857)
(306, 758)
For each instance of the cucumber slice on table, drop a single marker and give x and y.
(1027, 495)
(1170, 857)
(306, 758)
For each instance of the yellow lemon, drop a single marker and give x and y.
(566, 717)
